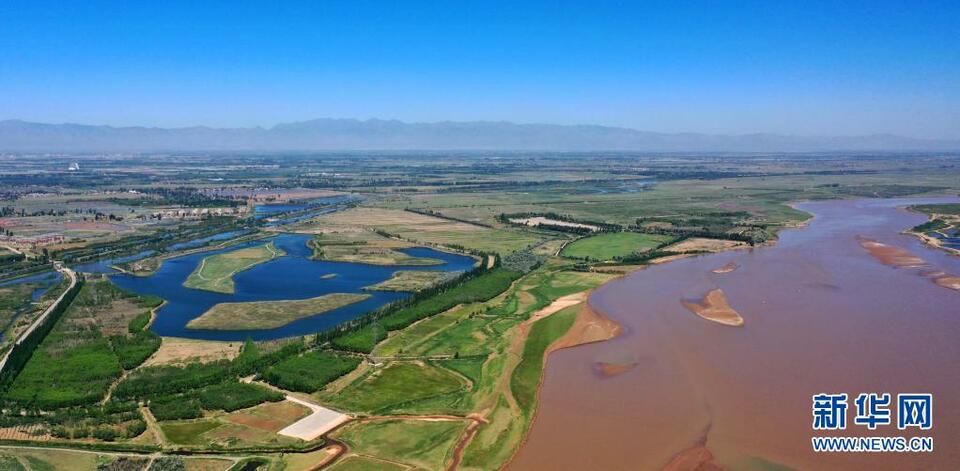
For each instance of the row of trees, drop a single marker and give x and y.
(21, 352)
(438, 214)
(180, 196)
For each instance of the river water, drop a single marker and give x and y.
(821, 316)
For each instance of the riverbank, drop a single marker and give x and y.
(937, 223)
(672, 390)
(933, 242)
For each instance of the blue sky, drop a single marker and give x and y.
(824, 68)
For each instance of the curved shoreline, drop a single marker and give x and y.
(617, 329)
(927, 240)
(586, 318)
(697, 454)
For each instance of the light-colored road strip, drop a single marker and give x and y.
(320, 421)
(42, 317)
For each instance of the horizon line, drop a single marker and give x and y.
(501, 121)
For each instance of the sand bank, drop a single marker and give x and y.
(590, 326)
(699, 244)
(726, 268)
(890, 255)
(561, 303)
(946, 280)
(714, 307)
(901, 258)
(609, 369)
(697, 458)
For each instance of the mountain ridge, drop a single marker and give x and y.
(380, 134)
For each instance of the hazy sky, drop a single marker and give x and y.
(808, 67)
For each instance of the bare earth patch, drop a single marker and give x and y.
(538, 220)
(177, 351)
(697, 244)
(558, 305)
(270, 416)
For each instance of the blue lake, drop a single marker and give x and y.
(293, 276)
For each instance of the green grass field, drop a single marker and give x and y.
(526, 377)
(87, 349)
(948, 208)
(479, 333)
(419, 444)
(215, 273)
(361, 340)
(611, 245)
(270, 314)
(362, 463)
(496, 442)
(255, 426)
(466, 333)
(481, 288)
(189, 432)
(392, 387)
(51, 459)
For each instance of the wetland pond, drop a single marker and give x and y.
(293, 276)
(44, 281)
(822, 314)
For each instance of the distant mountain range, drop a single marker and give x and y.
(376, 134)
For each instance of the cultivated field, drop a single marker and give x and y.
(420, 444)
(425, 229)
(254, 426)
(610, 246)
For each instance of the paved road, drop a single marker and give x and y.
(321, 421)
